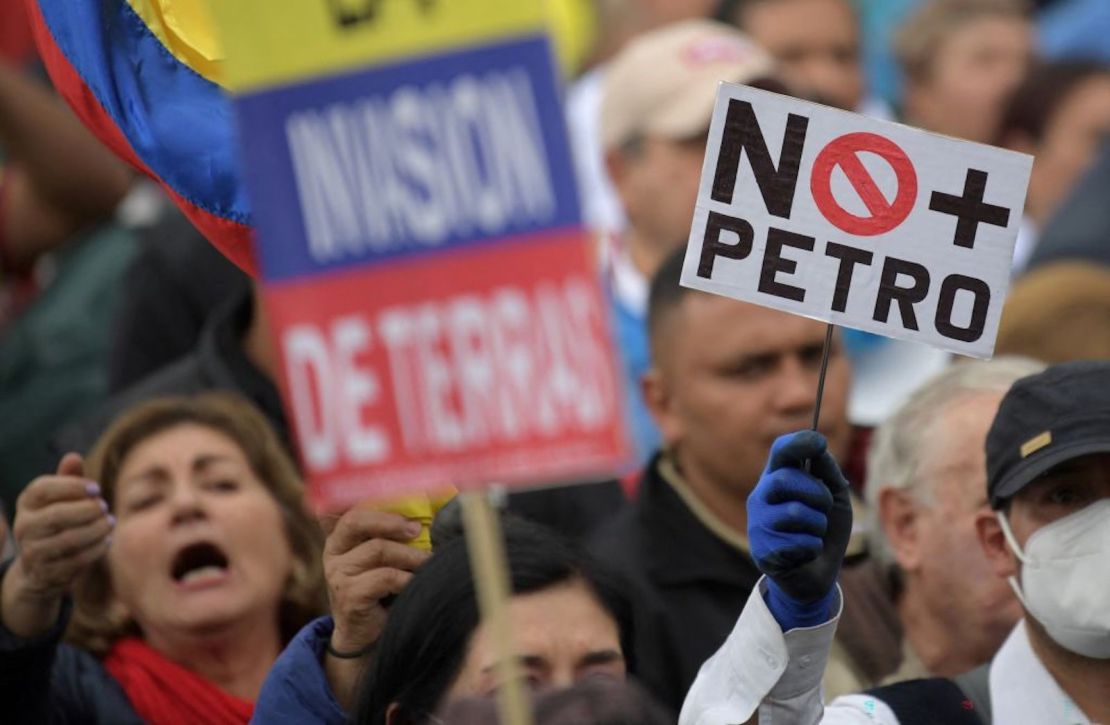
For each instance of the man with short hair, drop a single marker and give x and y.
(816, 44)
(1048, 535)
(657, 102)
(960, 60)
(727, 378)
(926, 486)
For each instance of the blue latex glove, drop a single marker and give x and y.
(798, 526)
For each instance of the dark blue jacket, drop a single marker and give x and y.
(45, 681)
(296, 690)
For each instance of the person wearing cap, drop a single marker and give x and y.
(1048, 535)
(657, 101)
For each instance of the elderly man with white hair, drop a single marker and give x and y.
(926, 483)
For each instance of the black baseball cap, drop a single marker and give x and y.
(1044, 420)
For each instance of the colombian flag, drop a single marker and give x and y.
(144, 75)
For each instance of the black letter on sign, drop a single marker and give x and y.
(970, 210)
(952, 284)
(907, 297)
(773, 263)
(742, 132)
(712, 246)
(849, 257)
(347, 15)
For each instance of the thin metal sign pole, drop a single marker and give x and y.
(821, 378)
(821, 385)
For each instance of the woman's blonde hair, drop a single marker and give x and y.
(96, 624)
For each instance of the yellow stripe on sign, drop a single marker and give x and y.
(188, 32)
(270, 43)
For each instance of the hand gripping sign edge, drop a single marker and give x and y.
(885, 215)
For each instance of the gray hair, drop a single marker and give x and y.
(896, 448)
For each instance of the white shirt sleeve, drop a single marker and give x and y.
(760, 667)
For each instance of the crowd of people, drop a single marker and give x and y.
(937, 550)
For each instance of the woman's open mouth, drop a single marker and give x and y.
(199, 564)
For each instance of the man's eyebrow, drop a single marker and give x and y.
(601, 657)
(754, 358)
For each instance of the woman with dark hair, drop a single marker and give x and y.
(176, 561)
(568, 621)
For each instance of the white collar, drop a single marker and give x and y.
(1023, 691)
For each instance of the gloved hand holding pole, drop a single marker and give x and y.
(799, 524)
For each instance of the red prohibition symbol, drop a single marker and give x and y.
(844, 152)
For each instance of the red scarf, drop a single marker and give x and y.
(165, 693)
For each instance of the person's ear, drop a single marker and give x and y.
(1001, 558)
(900, 517)
(660, 401)
(616, 166)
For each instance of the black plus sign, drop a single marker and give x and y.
(970, 208)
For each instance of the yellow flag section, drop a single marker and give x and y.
(270, 43)
(185, 28)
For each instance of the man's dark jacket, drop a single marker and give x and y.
(687, 585)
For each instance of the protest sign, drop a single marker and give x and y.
(854, 221)
(433, 297)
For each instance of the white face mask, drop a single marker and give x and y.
(1065, 578)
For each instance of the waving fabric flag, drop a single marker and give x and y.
(144, 75)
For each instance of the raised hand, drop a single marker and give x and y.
(367, 558)
(62, 525)
(799, 524)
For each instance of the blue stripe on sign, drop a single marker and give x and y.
(408, 159)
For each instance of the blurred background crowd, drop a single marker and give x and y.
(139, 403)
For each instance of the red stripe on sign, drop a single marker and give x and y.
(865, 186)
(488, 365)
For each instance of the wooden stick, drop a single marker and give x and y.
(491, 578)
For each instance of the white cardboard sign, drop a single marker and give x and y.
(859, 222)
